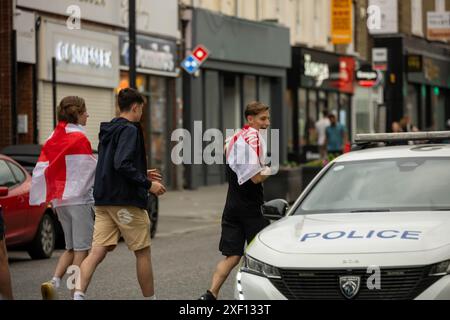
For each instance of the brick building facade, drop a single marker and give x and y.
(6, 134)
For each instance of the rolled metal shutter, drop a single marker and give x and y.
(100, 104)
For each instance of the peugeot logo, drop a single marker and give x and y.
(349, 286)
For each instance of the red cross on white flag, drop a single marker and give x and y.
(66, 166)
(245, 153)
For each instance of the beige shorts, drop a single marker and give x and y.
(130, 222)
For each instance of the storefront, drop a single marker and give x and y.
(87, 65)
(88, 53)
(367, 99)
(156, 61)
(417, 82)
(317, 81)
(248, 61)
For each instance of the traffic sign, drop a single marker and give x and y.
(190, 64)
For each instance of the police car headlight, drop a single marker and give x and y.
(440, 269)
(259, 268)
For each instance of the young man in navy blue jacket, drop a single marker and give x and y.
(121, 188)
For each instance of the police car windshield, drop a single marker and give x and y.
(419, 184)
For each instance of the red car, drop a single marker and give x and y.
(32, 228)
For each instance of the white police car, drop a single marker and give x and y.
(374, 224)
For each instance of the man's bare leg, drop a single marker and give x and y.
(64, 262)
(49, 288)
(222, 272)
(89, 265)
(145, 272)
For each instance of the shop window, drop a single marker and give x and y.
(411, 107)
(345, 111)
(363, 106)
(323, 103)
(250, 92)
(333, 102)
(124, 82)
(302, 116)
(439, 113)
(158, 120)
(212, 111)
(312, 117)
(290, 122)
(212, 174)
(141, 83)
(265, 95)
(231, 102)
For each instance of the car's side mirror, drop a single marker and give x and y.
(275, 209)
(4, 191)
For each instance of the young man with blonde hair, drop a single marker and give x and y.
(242, 219)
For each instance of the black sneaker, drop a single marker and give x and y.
(208, 296)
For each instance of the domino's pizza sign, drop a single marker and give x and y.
(193, 62)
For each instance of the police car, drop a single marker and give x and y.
(374, 224)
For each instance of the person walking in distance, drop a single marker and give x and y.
(121, 188)
(242, 219)
(321, 127)
(64, 175)
(336, 137)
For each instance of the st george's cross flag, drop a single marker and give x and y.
(245, 153)
(66, 166)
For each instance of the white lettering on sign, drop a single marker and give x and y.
(161, 60)
(316, 70)
(72, 53)
(152, 58)
(367, 75)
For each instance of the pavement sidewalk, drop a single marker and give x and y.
(188, 211)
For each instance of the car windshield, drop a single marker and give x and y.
(419, 184)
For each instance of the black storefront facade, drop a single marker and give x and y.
(317, 81)
(248, 61)
(156, 62)
(417, 81)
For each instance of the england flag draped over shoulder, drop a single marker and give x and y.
(66, 166)
(245, 153)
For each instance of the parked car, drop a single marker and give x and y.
(32, 228)
(374, 224)
(27, 156)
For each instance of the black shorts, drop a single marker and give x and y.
(236, 230)
(2, 226)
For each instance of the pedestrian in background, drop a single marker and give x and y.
(321, 128)
(336, 137)
(242, 219)
(396, 127)
(121, 188)
(5, 278)
(407, 125)
(64, 176)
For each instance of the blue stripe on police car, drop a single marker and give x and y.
(372, 234)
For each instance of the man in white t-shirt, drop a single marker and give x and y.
(321, 127)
